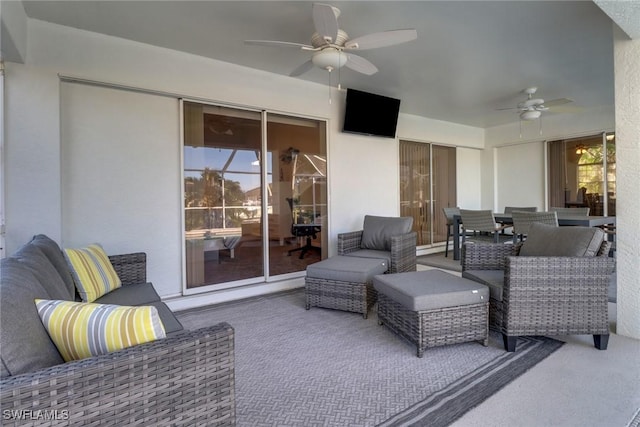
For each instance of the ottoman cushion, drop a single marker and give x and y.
(430, 289)
(347, 269)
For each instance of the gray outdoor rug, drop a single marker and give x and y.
(331, 368)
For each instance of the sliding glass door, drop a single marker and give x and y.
(427, 184)
(246, 187)
(582, 173)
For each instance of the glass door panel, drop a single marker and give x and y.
(427, 184)
(577, 175)
(610, 141)
(298, 193)
(444, 188)
(222, 194)
(415, 187)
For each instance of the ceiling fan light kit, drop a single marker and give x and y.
(530, 115)
(329, 59)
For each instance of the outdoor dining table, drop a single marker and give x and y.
(506, 218)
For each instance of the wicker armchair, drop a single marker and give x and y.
(542, 295)
(401, 250)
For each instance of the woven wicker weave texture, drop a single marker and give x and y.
(432, 328)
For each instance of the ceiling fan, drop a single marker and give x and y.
(532, 108)
(331, 47)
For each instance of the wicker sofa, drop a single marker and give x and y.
(555, 283)
(186, 378)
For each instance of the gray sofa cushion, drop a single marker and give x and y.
(378, 230)
(140, 294)
(494, 279)
(347, 269)
(53, 252)
(25, 345)
(547, 240)
(35, 261)
(430, 289)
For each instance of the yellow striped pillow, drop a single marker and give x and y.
(92, 272)
(80, 330)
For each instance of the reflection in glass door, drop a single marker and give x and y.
(582, 173)
(222, 194)
(234, 184)
(427, 184)
(298, 190)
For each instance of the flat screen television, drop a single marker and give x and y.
(371, 114)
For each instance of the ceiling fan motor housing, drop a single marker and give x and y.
(318, 41)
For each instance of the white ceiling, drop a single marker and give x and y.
(470, 58)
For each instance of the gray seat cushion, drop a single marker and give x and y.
(378, 230)
(53, 252)
(547, 240)
(347, 269)
(143, 294)
(372, 253)
(494, 279)
(430, 289)
(25, 345)
(139, 294)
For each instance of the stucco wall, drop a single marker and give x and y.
(627, 87)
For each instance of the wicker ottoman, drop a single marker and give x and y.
(343, 283)
(432, 308)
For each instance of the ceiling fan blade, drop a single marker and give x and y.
(567, 109)
(382, 39)
(506, 109)
(556, 102)
(302, 69)
(325, 21)
(276, 43)
(361, 65)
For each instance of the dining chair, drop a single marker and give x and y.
(510, 209)
(563, 212)
(481, 221)
(522, 221)
(449, 214)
